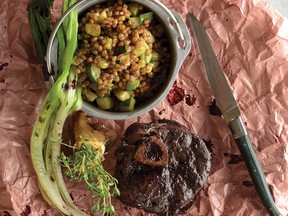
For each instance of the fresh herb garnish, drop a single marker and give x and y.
(85, 164)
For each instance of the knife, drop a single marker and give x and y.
(231, 113)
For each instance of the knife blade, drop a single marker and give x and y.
(228, 106)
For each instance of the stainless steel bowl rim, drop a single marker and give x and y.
(179, 31)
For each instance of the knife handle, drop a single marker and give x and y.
(254, 167)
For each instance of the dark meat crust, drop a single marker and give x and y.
(169, 189)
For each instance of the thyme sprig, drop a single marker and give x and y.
(86, 165)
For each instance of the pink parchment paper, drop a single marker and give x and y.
(251, 43)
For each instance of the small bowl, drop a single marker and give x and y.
(179, 41)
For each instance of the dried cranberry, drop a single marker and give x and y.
(176, 94)
(190, 100)
(248, 183)
(214, 109)
(3, 65)
(26, 212)
(234, 159)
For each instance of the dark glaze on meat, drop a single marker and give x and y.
(161, 167)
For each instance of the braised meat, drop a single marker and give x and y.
(161, 167)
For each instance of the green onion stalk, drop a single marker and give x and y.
(39, 20)
(62, 100)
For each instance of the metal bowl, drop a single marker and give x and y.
(179, 41)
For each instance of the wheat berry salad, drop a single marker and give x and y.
(123, 56)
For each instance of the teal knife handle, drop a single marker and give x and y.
(254, 167)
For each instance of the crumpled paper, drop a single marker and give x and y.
(251, 43)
